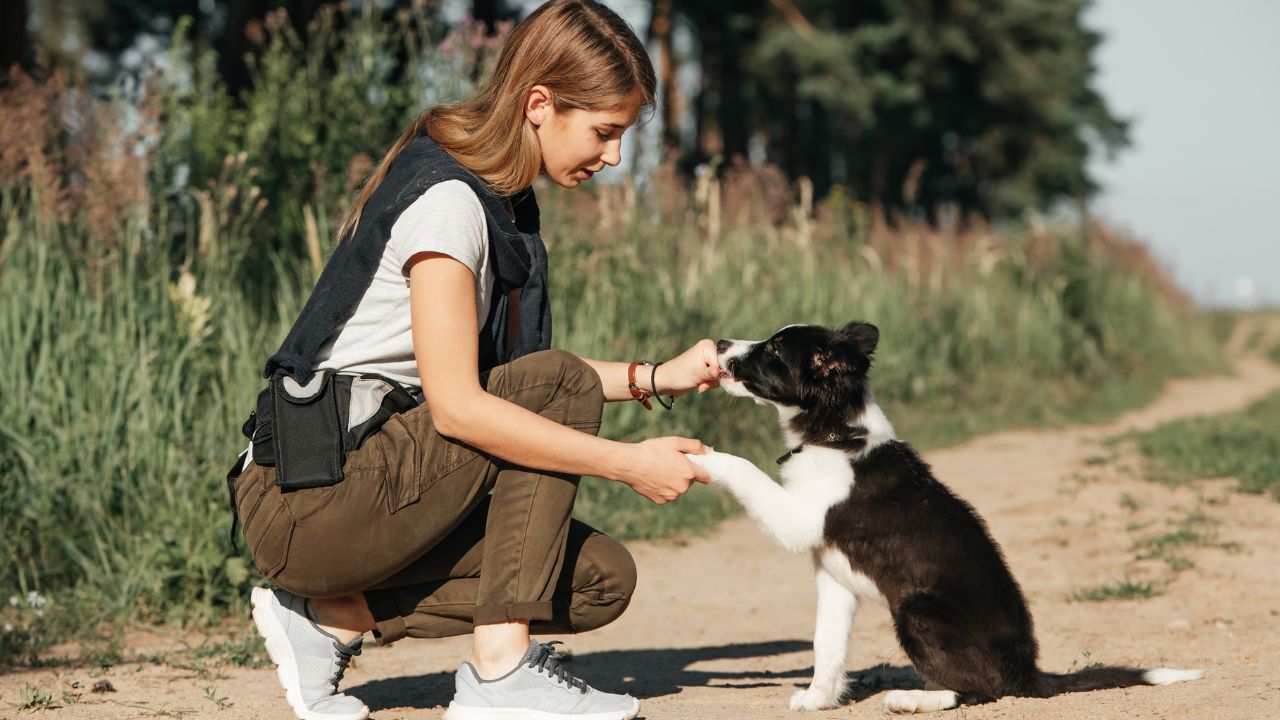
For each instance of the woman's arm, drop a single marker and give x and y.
(445, 341)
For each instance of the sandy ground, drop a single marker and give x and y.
(720, 626)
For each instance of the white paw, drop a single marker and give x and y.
(722, 467)
(901, 701)
(813, 699)
(919, 701)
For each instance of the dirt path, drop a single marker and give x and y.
(720, 627)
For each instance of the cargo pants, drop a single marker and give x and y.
(440, 536)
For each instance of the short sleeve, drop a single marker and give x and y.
(447, 219)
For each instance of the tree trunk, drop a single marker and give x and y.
(234, 44)
(13, 36)
(732, 110)
(671, 105)
(490, 11)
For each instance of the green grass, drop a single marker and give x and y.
(1244, 445)
(1125, 589)
(1196, 529)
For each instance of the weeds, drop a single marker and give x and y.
(219, 700)
(33, 698)
(1195, 530)
(1089, 662)
(1126, 589)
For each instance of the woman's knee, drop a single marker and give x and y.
(610, 582)
(568, 386)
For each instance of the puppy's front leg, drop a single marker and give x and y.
(783, 516)
(836, 607)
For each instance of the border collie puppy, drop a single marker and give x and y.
(881, 528)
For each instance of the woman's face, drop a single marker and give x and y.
(576, 144)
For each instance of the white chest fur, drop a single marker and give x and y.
(836, 563)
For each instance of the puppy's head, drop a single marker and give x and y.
(800, 366)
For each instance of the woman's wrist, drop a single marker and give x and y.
(657, 380)
(618, 460)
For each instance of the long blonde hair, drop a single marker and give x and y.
(580, 50)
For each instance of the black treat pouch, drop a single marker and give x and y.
(300, 431)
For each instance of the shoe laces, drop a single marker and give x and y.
(548, 659)
(345, 653)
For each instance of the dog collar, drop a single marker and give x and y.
(832, 437)
(790, 452)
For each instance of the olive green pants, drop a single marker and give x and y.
(441, 537)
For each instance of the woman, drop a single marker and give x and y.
(453, 517)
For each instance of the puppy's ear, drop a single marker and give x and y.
(864, 335)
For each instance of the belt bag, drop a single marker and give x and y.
(306, 431)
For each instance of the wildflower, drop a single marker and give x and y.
(8, 627)
(13, 600)
(36, 600)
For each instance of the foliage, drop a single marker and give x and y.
(988, 107)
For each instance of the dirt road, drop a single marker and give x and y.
(720, 626)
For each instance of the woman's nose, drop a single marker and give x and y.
(722, 346)
(612, 153)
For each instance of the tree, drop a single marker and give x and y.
(914, 104)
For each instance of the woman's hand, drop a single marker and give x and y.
(659, 470)
(694, 368)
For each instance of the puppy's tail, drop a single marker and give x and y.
(1110, 676)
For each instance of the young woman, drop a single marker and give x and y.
(454, 516)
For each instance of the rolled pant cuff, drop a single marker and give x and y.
(388, 621)
(525, 611)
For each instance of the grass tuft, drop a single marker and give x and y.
(1125, 589)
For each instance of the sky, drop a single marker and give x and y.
(1201, 181)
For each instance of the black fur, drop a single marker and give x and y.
(958, 612)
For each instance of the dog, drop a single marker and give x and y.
(881, 528)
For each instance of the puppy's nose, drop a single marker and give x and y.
(722, 346)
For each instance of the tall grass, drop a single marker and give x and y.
(148, 269)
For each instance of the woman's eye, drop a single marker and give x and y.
(602, 136)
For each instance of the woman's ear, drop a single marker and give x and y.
(539, 105)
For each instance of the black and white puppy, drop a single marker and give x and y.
(881, 528)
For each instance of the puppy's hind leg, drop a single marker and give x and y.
(836, 608)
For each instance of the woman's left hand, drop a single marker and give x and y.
(694, 368)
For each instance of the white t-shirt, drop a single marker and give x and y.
(447, 219)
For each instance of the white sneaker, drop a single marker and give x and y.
(539, 688)
(309, 661)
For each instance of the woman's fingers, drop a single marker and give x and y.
(692, 446)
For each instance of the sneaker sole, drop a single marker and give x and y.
(281, 653)
(468, 712)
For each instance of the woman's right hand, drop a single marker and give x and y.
(658, 469)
